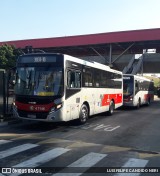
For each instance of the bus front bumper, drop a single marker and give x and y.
(48, 117)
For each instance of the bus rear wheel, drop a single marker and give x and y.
(84, 113)
(111, 108)
(148, 102)
(139, 103)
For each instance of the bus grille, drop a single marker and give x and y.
(37, 115)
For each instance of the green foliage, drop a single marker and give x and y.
(8, 56)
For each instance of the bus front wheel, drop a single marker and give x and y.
(84, 113)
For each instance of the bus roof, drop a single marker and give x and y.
(77, 60)
(91, 64)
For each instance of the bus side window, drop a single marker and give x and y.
(88, 77)
(78, 79)
(73, 79)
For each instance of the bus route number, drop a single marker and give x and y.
(39, 59)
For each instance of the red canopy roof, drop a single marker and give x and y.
(91, 39)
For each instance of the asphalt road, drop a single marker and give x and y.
(129, 138)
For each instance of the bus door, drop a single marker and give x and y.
(90, 94)
(73, 96)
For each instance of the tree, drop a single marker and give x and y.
(8, 56)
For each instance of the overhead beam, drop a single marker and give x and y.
(99, 54)
(123, 52)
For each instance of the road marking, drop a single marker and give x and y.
(105, 127)
(133, 162)
(42, 158)
(88, 160)
(97, 127)
(15, 150)
(84, 162)
(4, 141)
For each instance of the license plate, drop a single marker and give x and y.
(31, 116)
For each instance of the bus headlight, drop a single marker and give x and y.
(56, 107)
(14, 105)
(130, 98)
(59, 106)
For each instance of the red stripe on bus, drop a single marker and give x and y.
(34, 108)
(149, 96)
(108, 97)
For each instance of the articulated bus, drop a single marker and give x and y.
(137, 90)
(58, 87)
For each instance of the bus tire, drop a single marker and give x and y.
(139, 103)
(111, 108)
(148, 102)
(83, 115)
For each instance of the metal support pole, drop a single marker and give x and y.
(4, 89)
(142, 64)
(110, 55)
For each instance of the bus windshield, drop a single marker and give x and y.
(127, 87)
(39, 81)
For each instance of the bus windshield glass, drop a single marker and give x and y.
(128, 86)
(39, 81)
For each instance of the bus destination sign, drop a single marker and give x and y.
(37, 59)
(40, 59)
(126, 77)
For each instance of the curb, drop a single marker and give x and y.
(9, 122)
(3, 124)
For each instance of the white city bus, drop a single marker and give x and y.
(57, 87)
(137, 90)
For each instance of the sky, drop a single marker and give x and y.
(31, 19)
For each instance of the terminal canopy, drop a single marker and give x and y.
(114, 48)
